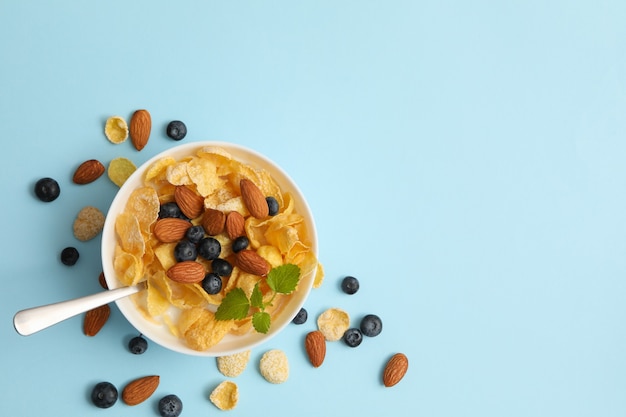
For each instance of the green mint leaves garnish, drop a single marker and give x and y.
(236, 306)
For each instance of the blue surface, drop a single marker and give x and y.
(465, 160)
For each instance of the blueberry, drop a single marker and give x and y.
(240, 243)
(353, 337)
(371, 325)
(185, 251)
(209, 248)
(104, 395)
(170, 406)
(195, 234)
(272, 205)
(350, 285)
(176, 130)
(138, 345)
(212, 283)
(69, 256)
(169, 210)
(301, 317)
(221, 267)
(47, 189)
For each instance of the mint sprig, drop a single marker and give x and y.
(236, 305)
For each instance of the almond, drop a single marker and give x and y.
(190, 203)
(213, 221)
(170, 229)
(186, 272)
(139, 390)
(139, 128)
(254, 199)
(251, 262)
(88, 171)
(102, 280)
(95, 319)
(395, 369)
(235, 225)
(315, 345)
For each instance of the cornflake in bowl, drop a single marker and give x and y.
(180, 309)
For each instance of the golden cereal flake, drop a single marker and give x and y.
(233, 365)
(116, 129)
(120, 169)
(333, 323)
(274, 366)
(225, 396)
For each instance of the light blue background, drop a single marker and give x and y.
(465, 160)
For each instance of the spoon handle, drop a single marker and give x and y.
(32, 320)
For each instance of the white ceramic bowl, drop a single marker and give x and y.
(159, 333)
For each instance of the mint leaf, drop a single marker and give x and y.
(284, 278)
(235, 305)
(256, 298)
(261, 321)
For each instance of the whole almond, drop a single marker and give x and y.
(254, 199)
(315, 346)
(139, 390)
(190, 203)
(251, 262)
(102, 280)
(186, 272)
(170, 229)
(95, 319)
(395, 369)
(88, 171)
(139, 128)
(213, 221)
(235, 225)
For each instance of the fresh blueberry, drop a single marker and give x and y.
(209, 248)
(272, 205)
(69, 256)
(176, 130)
(212, 283)
(350, 285)
(221, 267)
(353, 337)
(195, 234)
(301, 317)
(170, 406)
(371, 325)
(47, 189)
(104, 395)
(138, 345)
(169, 210)
(240, 243)
(185, 251)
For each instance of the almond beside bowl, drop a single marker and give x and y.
(162, 329)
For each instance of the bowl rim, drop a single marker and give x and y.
(158, 332)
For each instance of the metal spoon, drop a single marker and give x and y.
(32, 320)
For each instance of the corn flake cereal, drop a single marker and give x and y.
(233, 365)
(116, 129)
(333, 323)
(187, 309)
(274, 366)
(225, 396)
(120, 169)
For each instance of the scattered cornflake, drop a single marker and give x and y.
(120, 169)
(116, 129)
(225, 396)
(333, 323)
